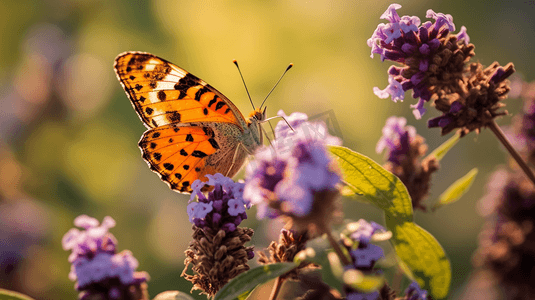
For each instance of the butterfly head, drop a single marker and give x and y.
(258, 115)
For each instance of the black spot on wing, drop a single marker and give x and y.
(200, 92)
(168, 166)
(173, 116)
(214, 143)
(189, 138)
(199, 154)
(161, 95)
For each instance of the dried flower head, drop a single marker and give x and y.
(290, 243)
(507, 243)
(404, 151)
(433, 65)
(101, 273)
(296, 176)
(217, 252)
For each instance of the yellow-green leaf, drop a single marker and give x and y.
(10, 295)
(379, 186)
(422, 253)
(441, 151)
(242, 285)
(455, 191)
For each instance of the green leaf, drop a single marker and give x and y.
(242, 285)
(455, 191)
(173, 295)
(441, 151)
(10, 295)
(416, 248)
(379, 186)
(422, 253)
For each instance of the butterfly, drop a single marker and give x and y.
(193, 129)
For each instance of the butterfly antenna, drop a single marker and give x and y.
(247, 90)
(288, 68)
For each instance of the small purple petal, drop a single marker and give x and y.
(418, 109)
(235, 207)
(394, 89)
(424, 49)
(424, 65)
(444, 121)
(390, 14)
(456, 107)
(463, 36)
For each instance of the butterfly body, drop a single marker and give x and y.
(194, 130)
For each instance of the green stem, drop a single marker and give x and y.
(336, 247)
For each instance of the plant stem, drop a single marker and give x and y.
(336, 247)
(501, 137)
(276, 288)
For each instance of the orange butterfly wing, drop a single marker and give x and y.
(163, 93)
(185, 117)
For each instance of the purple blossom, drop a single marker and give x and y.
(441, 19)
(291, 171)
(365, 258)
(463, 36)
(403, 40)
(396, 138)
(362, 296)
(393, 89)
(365, 230)
(391, 14)
(223, 207)
(94, 259)
(414, 292)
(364, 255)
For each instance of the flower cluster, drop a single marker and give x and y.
(507, 247)
(290, 243)
(364, 256)
(223, 208)
(101, 273)
(217, 252)
(433, 65)
(415, 292)
(404, 151)
(296, 176)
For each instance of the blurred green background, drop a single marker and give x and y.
(68, 134)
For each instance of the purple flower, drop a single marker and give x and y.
(414, 45)
(363, 296)
(284, 178)
(396, 138)
(95, 264)
(365, 258)
(463, 36)
(414, 292)
(393, 89)
(365, 230)
(223, 207)
(363, 254)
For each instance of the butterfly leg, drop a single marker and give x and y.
(236, 155)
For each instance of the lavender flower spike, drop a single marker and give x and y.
(97, 268)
